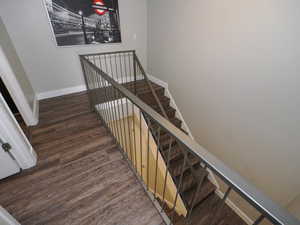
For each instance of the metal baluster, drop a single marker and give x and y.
(110, 91)
(167, 171)
(104, 94)
(86, 66)
(106, 103)
(118, 120)
(134, 136)
(104, 113)
(109, 95)
(92, 87)
(179, 186)
(148, 151)
(111, 102)
(156, 163)
(141, 144)
(221, 206)
(117, 100)
(129, 131)
(195, 194)
(82, 58)
(123, 120)
(129, 64)
(126, 78)
(118, 77)
(114, 101)
(125, 68)
(121, 69)
(118, 116)
(103, 103)
(98, 86)
(97, 89)
(259, 220)
(134, 73)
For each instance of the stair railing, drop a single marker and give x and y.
(125, 67)
(115, 102)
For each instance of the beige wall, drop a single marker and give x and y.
(233, 68)
(50, 67)
(294, 207)
(11, 54)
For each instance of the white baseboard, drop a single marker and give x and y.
(60, 92)
(35, 111)
(235, 208)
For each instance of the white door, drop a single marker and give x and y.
(8, 166)
(6, 218)
(20, 148)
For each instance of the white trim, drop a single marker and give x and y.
(235, 208)
(36, 110)
(158, 81)
(75, 89)
(172, 102)
(6, 217)
(164, 84)
(12, 133)
(60, 92)
(15, 90)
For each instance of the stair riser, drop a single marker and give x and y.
(159, 92)
(151, 100)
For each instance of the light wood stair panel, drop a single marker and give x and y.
(135, 144)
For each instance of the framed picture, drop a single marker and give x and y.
(84, 22)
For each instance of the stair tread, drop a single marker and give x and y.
(150, 100)
(170, 111)
(165, 141)
(142, 87)
(176, 166)
(189, 182)
(175, 153)
(206, 189)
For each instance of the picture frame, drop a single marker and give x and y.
(84, 22)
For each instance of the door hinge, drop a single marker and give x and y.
(6, 147)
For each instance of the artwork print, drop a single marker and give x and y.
(84, 22)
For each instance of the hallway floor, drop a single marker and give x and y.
(80, 177)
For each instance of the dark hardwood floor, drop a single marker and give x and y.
(205, 213)
(80, 177)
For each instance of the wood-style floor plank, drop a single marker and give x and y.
(81, 178)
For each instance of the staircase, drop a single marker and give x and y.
(119, 91)
(191, 176)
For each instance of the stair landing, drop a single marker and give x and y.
(80, 178)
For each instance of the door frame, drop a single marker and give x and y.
(11, 132)
(8, 77)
